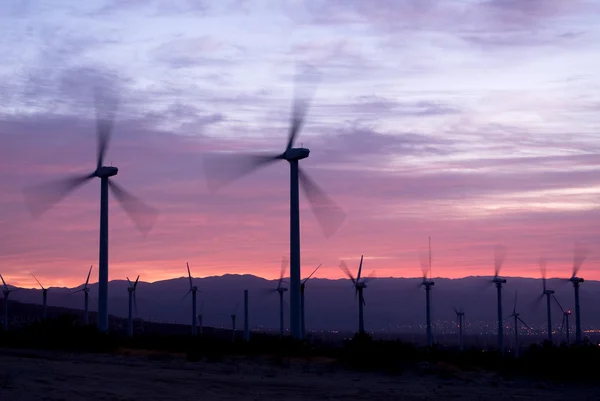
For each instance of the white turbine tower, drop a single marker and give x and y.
(43, 197)
(6, 291)
(518, 319)
(86, 293)
(428, 283)
(44, 297)
(499, 256)
(193, 290)
(579, 256)
(226, 168)
(132, 304)
(302, 288)
(359, 288)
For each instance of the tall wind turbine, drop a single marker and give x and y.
(43, 197)
(280, 289)
(518, 319)
(86, 293)
(427, 283)
(6, 291)
(579, 256)
(221, 169)
(499, 256)
(193, 289)
(460, 315)
(233, 316)
(549, 294)
(132, 304)
(359, 288)
(302, 288)
(44, 297)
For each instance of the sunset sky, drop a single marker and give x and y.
(473, 122)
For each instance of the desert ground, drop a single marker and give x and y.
(37, 375)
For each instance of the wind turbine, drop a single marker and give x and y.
(549, 294)
(132, 304)
(518, 319)
(233, 315)
(579, 256)
(459, 319)
(44, 297)
(427, 283)
(359, 287)
(43, 197)
(193, 289)
(499, 256)
(6, 291)
(565, 320)
(86, 292)
(302, 288)
(221, 169)
(280, 289)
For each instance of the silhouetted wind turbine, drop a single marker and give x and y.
(549, 294)
(193, 289)
(427, 283)
(233, 316)
(222, 169)
(86, 292)
(302, 288)
(579, 256)
(6, 291)
(565, 320)
(43, 197)
(359, 287)
(459, 319)
(44, 297)
(499, 256)
(132, 304)
(280, 289)
(518, 319)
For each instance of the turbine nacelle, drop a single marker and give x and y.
(576, 280)
(548, 292)
(361, 284)
(428, 283)
(295, 154)
(498, 281)
(105, 172)
(281, 289)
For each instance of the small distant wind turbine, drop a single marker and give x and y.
(132, 304)
(302, 288)
(233, 315)
(86, 292)
(281, 289)
(459, 319)
(193, 289)
(6, 291)
(427, 283)
(359, 288)
(42, 197)
(518, 319)
(226, 168)
(565, 320)
(499, 256)
(44, 297)
(549, 294)
(579, 256)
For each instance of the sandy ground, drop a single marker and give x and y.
(35, 375)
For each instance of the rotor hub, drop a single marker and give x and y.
(296, 154)
(106, 171)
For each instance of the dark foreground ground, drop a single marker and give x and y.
(138, 375)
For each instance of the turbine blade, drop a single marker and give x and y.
(40, 198)
(223, 168)
(106, 109)
(135, 309)
(282, 271)
(345, 269)
(304, 89)
(189, 275)
(558, 303)
(76, 291)
(370, 277)
(185, 296)
(359, 268)
(542, 263)
(38, 281)
(499, 256)
(88, 276)
(136, 281)
(143, 216)
(3, 282)
(311, 274)
(329, 215)
(364, 302)
(131, 285)
(524, 324)
(579, 255)
(424, 259)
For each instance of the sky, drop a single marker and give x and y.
(473, 122)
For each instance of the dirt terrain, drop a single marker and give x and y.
(37, 375)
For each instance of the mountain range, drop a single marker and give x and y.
(392, 304)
